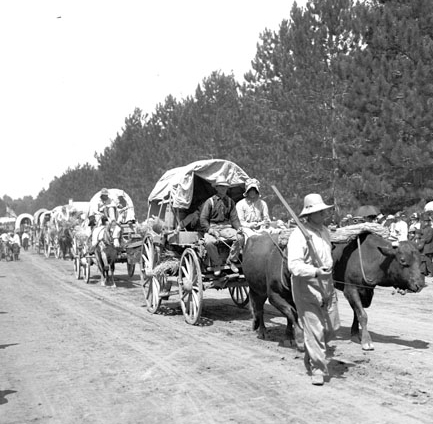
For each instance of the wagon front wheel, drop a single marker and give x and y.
(57, 252)
(47, 250)
(77, 267)
(86, 270)
(240, 295)
(151, 285)
(190, 286)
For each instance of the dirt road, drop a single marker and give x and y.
(77, 353)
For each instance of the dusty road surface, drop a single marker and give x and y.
(77, 353)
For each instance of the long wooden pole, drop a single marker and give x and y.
(315, 256)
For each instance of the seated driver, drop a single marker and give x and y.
(219, 220)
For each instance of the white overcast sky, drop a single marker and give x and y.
(72, 71)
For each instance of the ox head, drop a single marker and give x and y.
(405, 268)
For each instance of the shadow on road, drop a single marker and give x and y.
(4, 346)
(344, 334)
(3, 394)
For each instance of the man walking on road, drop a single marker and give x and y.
(312, 286)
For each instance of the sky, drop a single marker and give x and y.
(72, 71)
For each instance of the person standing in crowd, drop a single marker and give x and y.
(425, 242)
(219, 220)
(401, 227)
(312, 285)
(414, 223)
(15, 238)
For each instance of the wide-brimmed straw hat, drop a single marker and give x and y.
(104, 192)
(251, 183)
(313, 203)
(221, 181)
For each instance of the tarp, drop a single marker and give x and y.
(78, 207)
(59, 213)
(114, 194)
(179, 182)
(37, 215)
(22, 217)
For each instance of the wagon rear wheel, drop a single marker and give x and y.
(190, 286)
(151, 285)
(240, 295)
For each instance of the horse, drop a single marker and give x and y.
(65, 242)
(108, 242)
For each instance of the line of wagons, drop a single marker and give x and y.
(173, 262)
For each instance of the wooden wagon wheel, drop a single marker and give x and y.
(77, 267)
(190, 286)
(57, 249)
(86, 270)
(47, 249)
(240, 295)
(151, 284)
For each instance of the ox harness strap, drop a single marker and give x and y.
(286, 256)
(367, 280)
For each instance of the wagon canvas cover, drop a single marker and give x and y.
(179, 182)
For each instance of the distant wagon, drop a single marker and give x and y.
(129, 241)
(178, 257)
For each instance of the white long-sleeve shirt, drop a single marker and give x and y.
(250, 213)
(301, 263)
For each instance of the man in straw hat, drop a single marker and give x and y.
(219, 220)
(312, 285)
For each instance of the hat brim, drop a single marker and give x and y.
(314, 209)
(221, 184)
(249, 188)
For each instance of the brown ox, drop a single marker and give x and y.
(265, 269)
(357, 271)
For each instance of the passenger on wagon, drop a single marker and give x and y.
(252, 211)
(219, 220)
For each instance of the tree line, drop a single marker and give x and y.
(338, 101)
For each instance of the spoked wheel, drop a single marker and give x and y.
(240, 295)
(77, 267)
(190, 286)
(57, 251)
(131, 269)
(86, 270)
(47, 250)
(151, 285)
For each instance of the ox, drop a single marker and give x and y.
(265, 269)
(369, 261)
